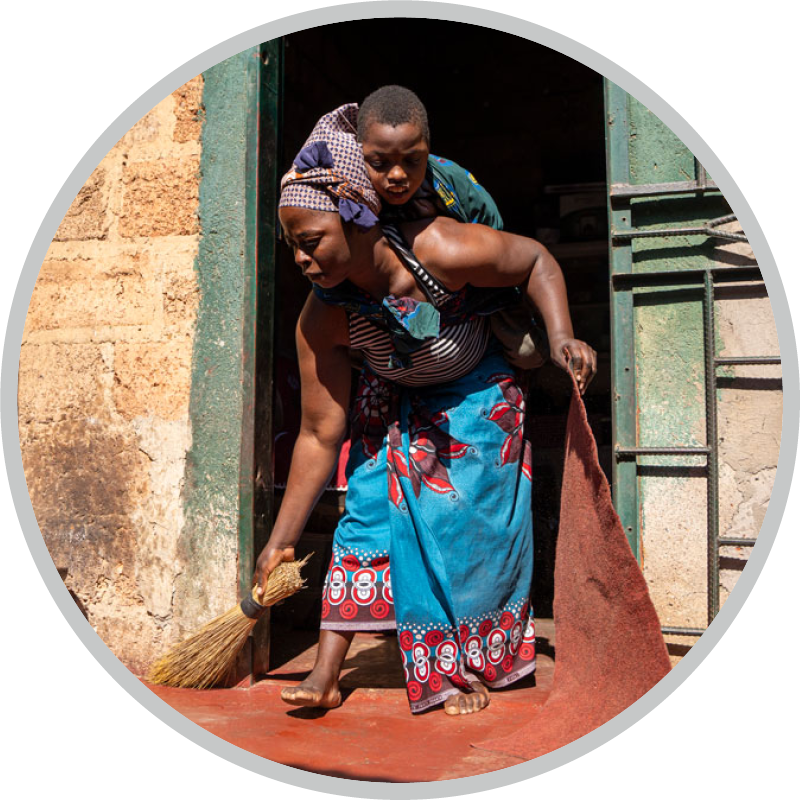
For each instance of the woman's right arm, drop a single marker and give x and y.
(323, 353)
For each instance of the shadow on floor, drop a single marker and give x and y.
(377, 666)
(371, 664)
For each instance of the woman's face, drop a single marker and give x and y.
(396, 159)
(319, 244)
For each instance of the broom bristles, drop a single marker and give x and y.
(207, 656)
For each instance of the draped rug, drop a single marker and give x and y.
(609, 646)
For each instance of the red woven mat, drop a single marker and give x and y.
(609, 647)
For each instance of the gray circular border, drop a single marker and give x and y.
(143, 104)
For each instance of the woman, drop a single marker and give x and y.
(436, 539)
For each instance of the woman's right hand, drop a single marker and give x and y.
(271, 556)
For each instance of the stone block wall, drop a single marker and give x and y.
(105, 374)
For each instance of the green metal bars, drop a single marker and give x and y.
(708, 279)
(623, 193)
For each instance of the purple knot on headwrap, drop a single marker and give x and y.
(357, 213)
(329, 173)
(315, 155)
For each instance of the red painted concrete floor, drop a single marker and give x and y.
(373, 736)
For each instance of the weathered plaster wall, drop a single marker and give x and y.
(671, 392)
(751, 408)
(105, 372)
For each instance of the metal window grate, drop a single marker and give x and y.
(623, 198)
(708, 279)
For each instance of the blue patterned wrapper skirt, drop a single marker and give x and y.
(436, 540)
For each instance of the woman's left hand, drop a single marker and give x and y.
(575, 355)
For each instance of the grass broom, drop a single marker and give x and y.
(205, 658)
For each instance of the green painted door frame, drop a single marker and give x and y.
(658, 322)
(228, 486)
(264, 122)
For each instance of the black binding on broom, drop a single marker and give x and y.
(251, 609)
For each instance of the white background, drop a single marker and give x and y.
(70, 68)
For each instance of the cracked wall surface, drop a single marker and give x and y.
(670, 386)
(105, 374)
(750, 415)
(672, 412)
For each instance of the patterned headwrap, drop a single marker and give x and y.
(328, 174)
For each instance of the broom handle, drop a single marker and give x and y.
(251, 608)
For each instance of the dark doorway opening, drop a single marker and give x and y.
(529, 123)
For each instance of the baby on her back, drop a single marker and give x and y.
(413, 184)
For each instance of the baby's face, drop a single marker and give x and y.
(396, 159)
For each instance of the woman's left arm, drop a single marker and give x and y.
(482, 256)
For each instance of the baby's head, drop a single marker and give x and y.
(393, 131)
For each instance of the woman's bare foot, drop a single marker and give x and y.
(313, 693)
(321, 688)
(462, 703)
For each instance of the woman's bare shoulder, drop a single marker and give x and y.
(446, 246)
(428, 234)
(323, 326)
